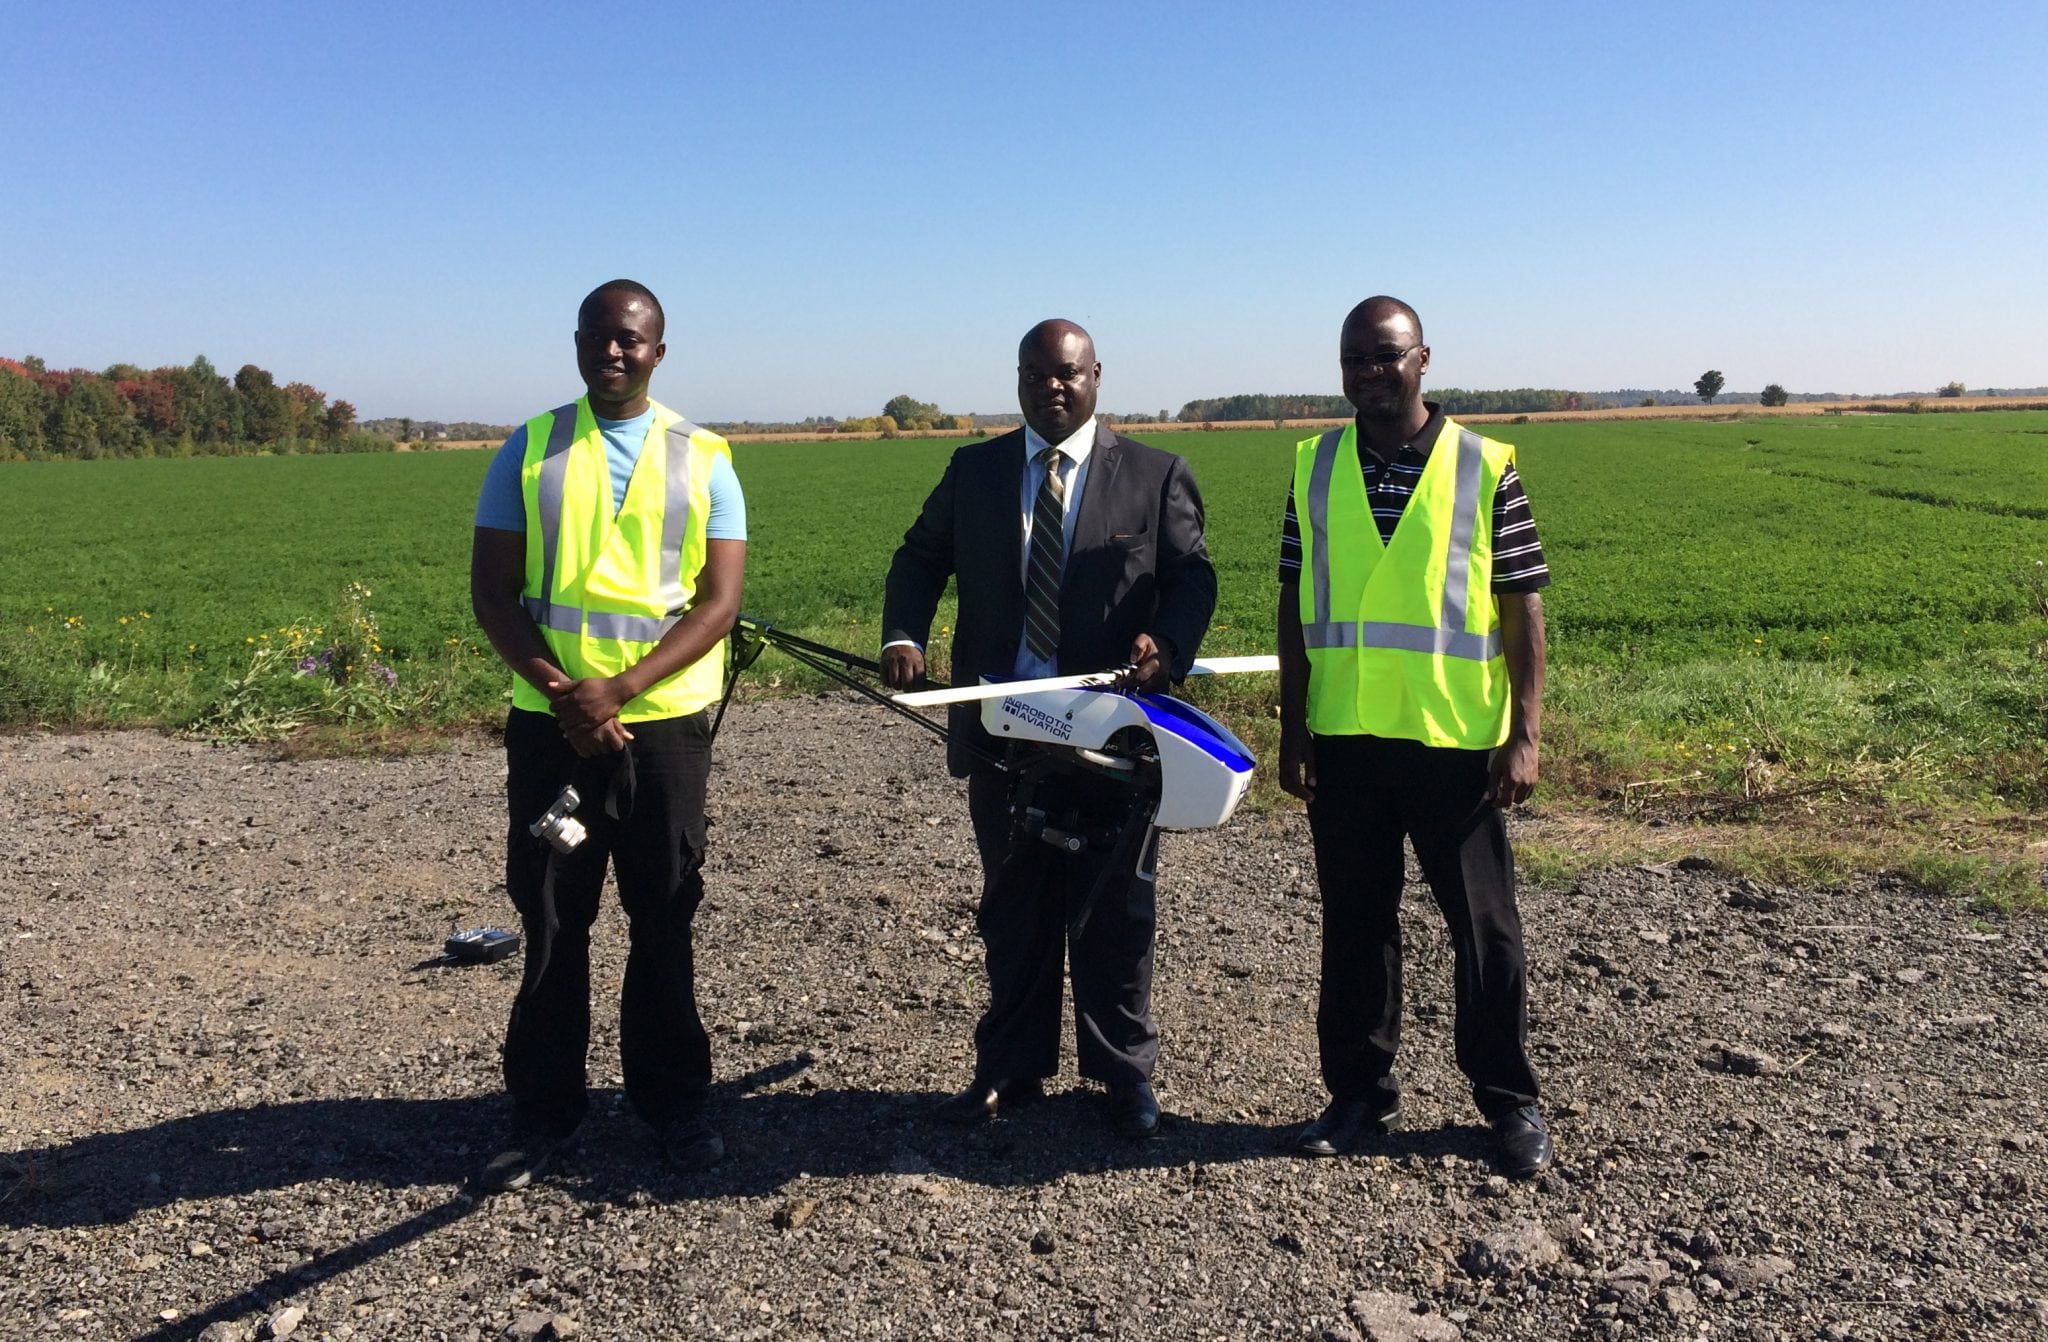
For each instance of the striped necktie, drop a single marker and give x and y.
(1042, 573)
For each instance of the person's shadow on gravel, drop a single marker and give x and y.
(773, 1137)
(776, 1138)
(109, 1177)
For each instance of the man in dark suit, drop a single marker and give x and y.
(1075, 549)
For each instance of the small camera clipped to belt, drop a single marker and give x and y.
(559, 825)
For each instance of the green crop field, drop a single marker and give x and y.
(1745, 606)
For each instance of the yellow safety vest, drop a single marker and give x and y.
(603, 587)
(1403, 636)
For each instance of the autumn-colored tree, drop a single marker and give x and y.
(154, 400)
(307, 409)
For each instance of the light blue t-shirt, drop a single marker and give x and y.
(502, 506)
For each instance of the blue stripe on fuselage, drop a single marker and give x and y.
(1186, 723)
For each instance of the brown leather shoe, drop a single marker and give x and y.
(983, 1100)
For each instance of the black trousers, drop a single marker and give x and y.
(1370, 793)
(1026, 901)
(656, 851)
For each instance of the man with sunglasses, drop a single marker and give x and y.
(1411, 697)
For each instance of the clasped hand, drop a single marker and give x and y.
(587, 711)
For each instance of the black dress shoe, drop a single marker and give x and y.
(1525, 1149)
(530, 1153)
(690, 1142)
(1134, 1110)
(983, 1100)
(1343, 1124)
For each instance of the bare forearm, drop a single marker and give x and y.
(708, 619)
(1521, 625)
(691, 637)
(515, 638)
(1297, 749)
(1293, 660)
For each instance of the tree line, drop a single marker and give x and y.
(408, 430)
(127, 411)
(1455, 401)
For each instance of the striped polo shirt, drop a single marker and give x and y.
(1518, 564)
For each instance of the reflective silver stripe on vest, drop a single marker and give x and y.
(1464, 512)
(561, 619)
(675, 516)
(554, 471)
(1405, 638)
(599, 623)
(1319, 521)
(630, 628)
(1449, 638)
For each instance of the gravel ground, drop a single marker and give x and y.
(236, 1106)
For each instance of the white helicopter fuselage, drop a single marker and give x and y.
(1204, 771)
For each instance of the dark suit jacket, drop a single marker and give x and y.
(1136, 564)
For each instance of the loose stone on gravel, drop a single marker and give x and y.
(1678, 1302)
(795, 1215)
(1738, 1060)
(1512, 1249)
(1751, 899)
(1760, 1272)
(1387, 1316)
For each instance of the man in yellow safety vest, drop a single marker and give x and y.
(609, 549)
(1411, 698)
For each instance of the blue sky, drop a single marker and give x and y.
(402, 204)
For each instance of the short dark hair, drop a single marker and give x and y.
(633, 287)
(1380, 307)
